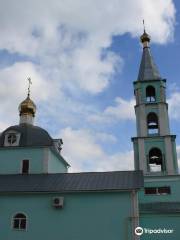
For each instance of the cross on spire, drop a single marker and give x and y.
(29, 86)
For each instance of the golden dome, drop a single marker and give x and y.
(27, 107)
(145, 37)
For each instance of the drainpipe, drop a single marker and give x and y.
(135, 214)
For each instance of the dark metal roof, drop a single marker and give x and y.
(70, 182)
(160, 207)
(148, 69)
(30, 135)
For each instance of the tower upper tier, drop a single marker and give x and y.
(148, 69)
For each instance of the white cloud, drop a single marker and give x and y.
(13, 89)
(174, 103)
(68, 37)
(124, 110)
(83, 151)
(121, 110)
(68, 43)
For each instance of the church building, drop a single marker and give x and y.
(39, 199)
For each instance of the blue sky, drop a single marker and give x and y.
(83, 58)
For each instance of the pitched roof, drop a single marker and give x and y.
(72, 182)
(148, 69)
(160, 207)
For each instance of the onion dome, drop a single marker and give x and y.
(27, 107)
(145, 37)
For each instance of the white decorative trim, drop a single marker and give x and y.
(26, 119)
(16, 143)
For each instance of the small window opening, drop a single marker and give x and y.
(11, 138)
(25, 166)
(164, 190)
(150, 94)
(150, 190)
(155, 160)
(152, 123)
(19, 221)
(157, 190)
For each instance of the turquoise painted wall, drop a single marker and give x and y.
(154, 142)
(141, 86)
(41, 160)
(160, 181)
(56, 165)
(85, 216)
(156, 85)
(11, 159)
(154, 221)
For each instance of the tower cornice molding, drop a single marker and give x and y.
(154, 136)
(151, 104)
(150, 80)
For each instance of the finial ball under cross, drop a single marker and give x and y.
(29, 86)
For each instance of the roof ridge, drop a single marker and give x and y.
(71, 173)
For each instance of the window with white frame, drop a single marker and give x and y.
(11, 138)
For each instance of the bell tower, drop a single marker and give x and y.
(154, 146)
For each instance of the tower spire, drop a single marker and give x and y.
(148, 69)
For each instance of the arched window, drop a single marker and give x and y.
(150, 94)
(155, 160)
(19, 221)
(152, 123)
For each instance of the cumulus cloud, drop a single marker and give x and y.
(97, 19)
(68, 47)
(68, 41)
(68, 37)
(121, 110)
(84, 152)
(174, 103)
(13, 83)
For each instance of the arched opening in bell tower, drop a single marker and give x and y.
(152, 123)
(155, 163)
(150, 94)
